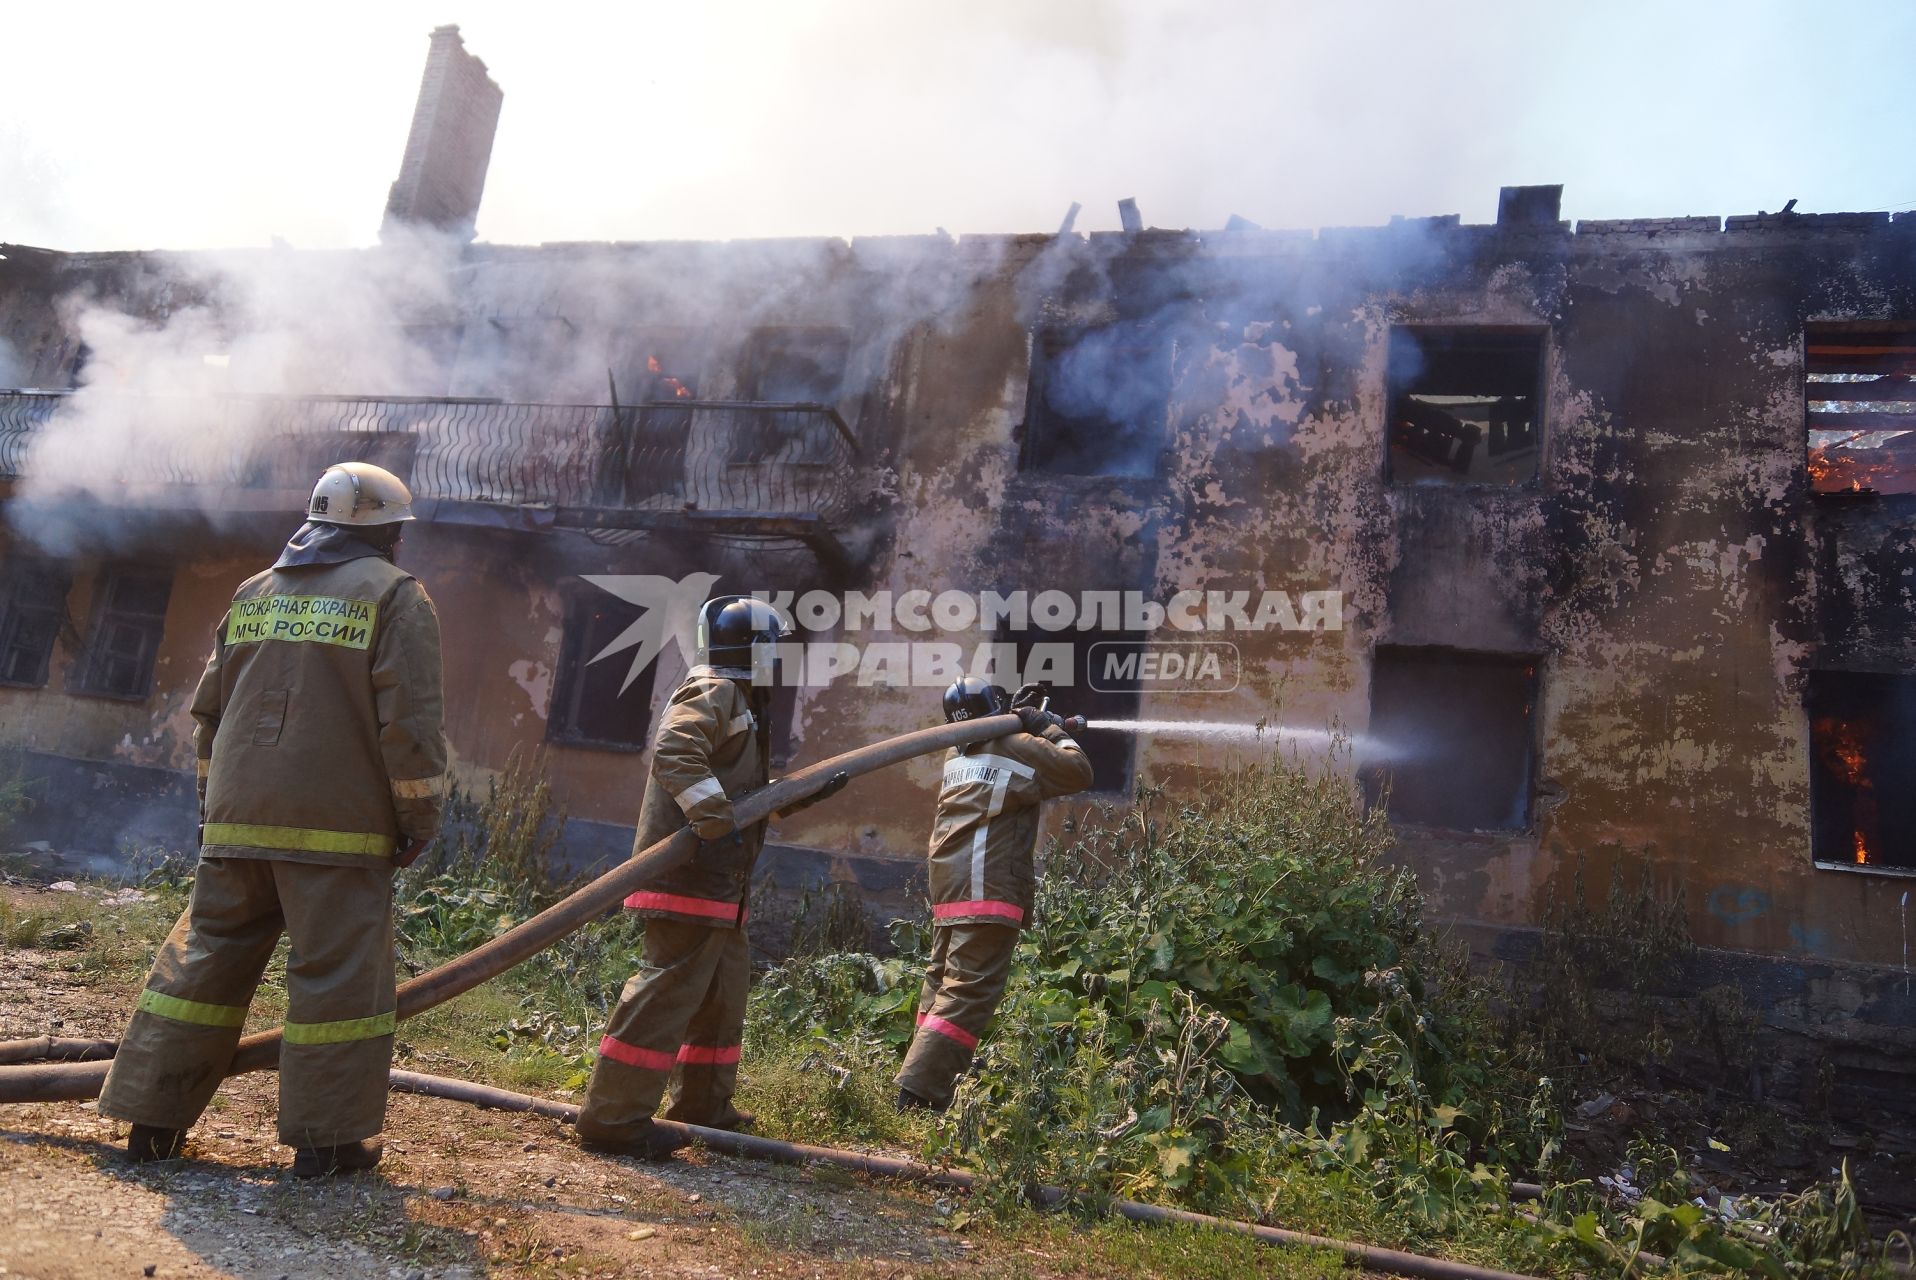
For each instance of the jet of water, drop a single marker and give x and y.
(1317, 740)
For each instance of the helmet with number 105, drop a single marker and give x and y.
(358, 493)
(970, 698)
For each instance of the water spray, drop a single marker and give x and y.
(1326, 741)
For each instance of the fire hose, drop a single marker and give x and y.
(31, 1077)
(73, 1081)
(1389, 1261)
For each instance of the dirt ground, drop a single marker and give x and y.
(467, 1193)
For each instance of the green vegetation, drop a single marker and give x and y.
(1232, 1005)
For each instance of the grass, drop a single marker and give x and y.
(1231, 1006)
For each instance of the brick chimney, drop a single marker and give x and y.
(444, 171)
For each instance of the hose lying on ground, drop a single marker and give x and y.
(1389, 1261)
(70, 1081)
(56, 1049)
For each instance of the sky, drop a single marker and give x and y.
(210, 125)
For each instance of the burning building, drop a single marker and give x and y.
(1597, 539)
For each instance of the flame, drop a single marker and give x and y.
(1846, 466)
(1843, 750)
(667, 383)
(1847, 750)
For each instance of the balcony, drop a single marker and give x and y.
(725, 466)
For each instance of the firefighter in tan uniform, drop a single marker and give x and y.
(322, 764)
(684, 1010)
(982, 877)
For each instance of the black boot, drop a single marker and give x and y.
(652, 1142)
(150, 1142)
(349, 1157)
(909, 1101)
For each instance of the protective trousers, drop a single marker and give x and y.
(970, 964)
(339, 994)
(684, 1009)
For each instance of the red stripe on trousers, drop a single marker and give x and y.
(633, 1056)
(980, 907)
(949, 1030)
(685, 906)
(708, 1055)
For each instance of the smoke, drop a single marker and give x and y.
(13, 370)
(189, 358)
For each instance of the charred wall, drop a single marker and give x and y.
(1659, 562)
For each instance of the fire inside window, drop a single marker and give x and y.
(791, 365)
(1862, 748)
(33, 605)
(589, 706)
(1097, 401)
(129, 617)
(1455, 736)
(1111, 693)
(1464, 405)
(1861, 389)
(643, 449)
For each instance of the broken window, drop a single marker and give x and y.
(1097, 400)
(592, 705)
(1862, 747)
(129, 616)
(791, 366)
(1111, 692)
(1454, 737)
(1862, 410)
(1464, 405)
(33, 605)
(653, 370)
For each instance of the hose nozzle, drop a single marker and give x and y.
(1075, 724)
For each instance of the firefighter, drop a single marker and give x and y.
(982, 876)
(322, 765)
(684, 1010)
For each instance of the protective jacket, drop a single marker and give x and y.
(710, 750)
(320, 717)
(987, 828)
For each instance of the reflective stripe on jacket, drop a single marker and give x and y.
(981, 848)
(706, 756)
(319, 720)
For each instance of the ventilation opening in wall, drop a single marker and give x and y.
(1464, 405)
(1860, 385)
(1862, 756)
(1458, 733)
(1097, 401)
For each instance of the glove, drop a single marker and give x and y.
(718, 825)
(409, 852)
(1029, 695)
(833, 785)
(1033, 720)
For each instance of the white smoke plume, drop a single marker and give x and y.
(190, 358)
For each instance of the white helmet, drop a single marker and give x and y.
(361, 494)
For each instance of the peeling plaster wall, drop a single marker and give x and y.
(1668, 567)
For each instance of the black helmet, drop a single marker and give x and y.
(739, 632)
(970, 698)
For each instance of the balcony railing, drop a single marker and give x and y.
(736, 458)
